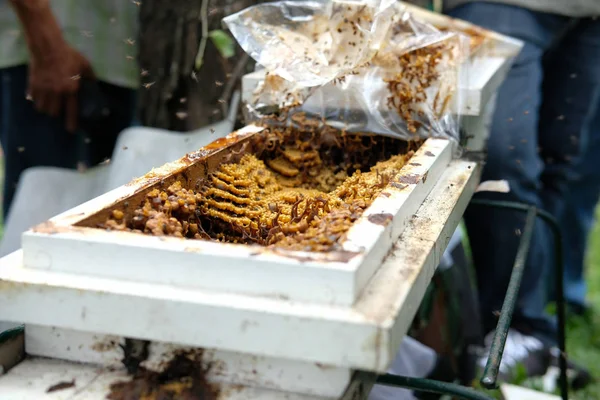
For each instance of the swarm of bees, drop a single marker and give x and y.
(418, 70)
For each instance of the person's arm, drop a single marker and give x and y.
(55, 67)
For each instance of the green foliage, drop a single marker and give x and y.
(583, 334)
(223, 42)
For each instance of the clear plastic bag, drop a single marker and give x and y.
(356, 65)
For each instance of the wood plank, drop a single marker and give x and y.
(227, 367)
(30, 380)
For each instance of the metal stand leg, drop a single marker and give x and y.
(492, 367)
(560, 296)
(490, 373)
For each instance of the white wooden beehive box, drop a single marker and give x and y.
(278, 344)
(70, 243)
(263, 342)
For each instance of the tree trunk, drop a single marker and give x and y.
(173, 96)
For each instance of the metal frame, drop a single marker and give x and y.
(490, 374)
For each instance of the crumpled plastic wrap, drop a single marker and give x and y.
(356, 65)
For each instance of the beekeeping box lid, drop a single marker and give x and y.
(68, 243)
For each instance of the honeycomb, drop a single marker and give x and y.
(302, 190)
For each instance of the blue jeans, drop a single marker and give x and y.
(542, 118)
(31, 139)
(578, 217)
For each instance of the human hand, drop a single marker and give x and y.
(54, 80)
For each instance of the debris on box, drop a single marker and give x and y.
(184, 377)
